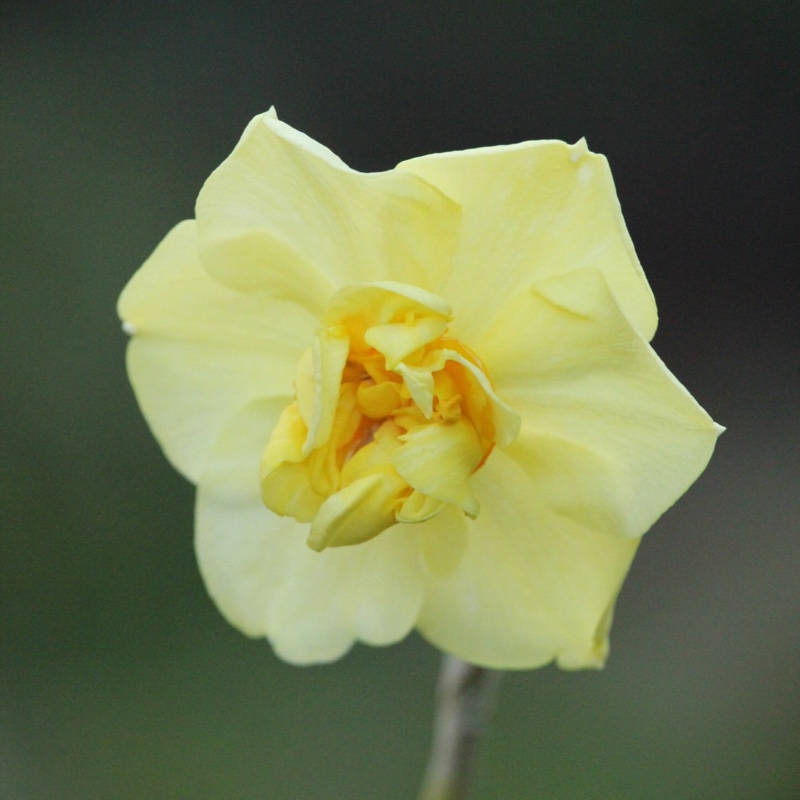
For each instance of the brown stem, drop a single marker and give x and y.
(464, 700)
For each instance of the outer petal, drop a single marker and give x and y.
(530, 586)
(268, 582)
(632, 439)
(200, 351)
(285, 214)
(530, 211)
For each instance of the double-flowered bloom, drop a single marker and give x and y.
(418, 398)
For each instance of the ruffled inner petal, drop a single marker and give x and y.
(394, 419)
(318, 382)
(358, 512)
(438, 460)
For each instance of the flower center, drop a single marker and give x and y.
(391, 419)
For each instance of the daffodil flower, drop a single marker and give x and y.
(421, 398)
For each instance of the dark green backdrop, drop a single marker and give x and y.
(118, 678)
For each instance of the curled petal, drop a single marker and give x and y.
(418, 507)
(396, 341)
(420, 384)
(505, 420)
(357, 513)
(379, 302)
(438, 460)
(318, 380)
(286, 485)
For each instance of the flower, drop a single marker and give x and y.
(417, 398)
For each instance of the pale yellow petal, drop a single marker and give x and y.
(242, 548)
(420, 384)
(379, 302)
(370, 593)
(438, 460)
(378, 400)
(285, 441)
(268, 582)
(286, 486)
(443, 539)
(288, 491)
(318, 382)
(396, 341)
(530, 211)
(506, 421)
(282, 213)
(201, 351)
(357, 512)
(529, 586)
(418, 507)
(566, 358)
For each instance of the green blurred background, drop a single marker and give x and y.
(118, 678)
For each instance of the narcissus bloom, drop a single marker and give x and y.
(418, 398)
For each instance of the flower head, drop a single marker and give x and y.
(419, 398)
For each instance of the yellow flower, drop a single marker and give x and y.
(418, 398)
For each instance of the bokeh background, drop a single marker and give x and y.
(118, 678)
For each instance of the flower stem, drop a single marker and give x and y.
(464, 700)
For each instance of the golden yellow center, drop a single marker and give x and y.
(391, 419)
